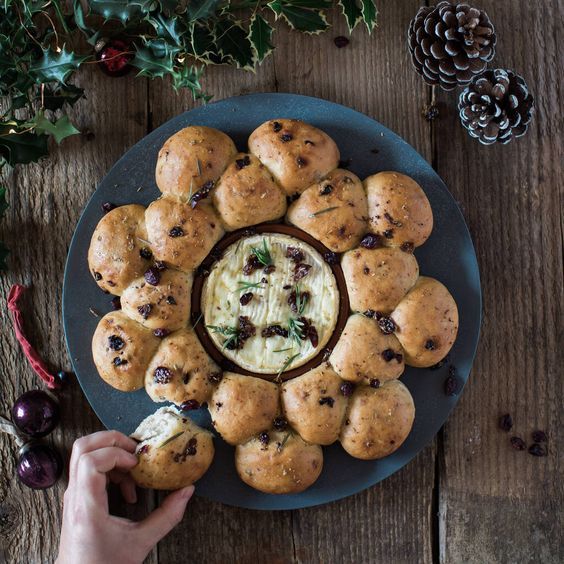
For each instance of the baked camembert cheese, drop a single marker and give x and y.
(270, 303)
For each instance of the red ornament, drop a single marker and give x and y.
(114, 57)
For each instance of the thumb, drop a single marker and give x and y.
(163, 519)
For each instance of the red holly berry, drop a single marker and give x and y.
(114, 57)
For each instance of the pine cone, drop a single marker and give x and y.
(451, 43)
(496, 106)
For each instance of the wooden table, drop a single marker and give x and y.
(468, 496)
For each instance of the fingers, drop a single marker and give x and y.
(93, 466)
(96, 441)
(163, 519)
(126, 485)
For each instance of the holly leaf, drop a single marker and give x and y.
(167, 28)
(60, 129)
(352, 12)
(55, 99)
(21, 148)
(305, 19)
(4, 252)
(152, 65)
(369, 14)
(115, 9)
(189, 77)
(55, 66)
(232, 42)
(203, 45)
(260, 35)
(201, 9)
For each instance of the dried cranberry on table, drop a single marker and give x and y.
(518, 443)
(539, 437)
(537, 449)
(506, 422)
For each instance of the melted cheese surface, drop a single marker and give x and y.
(269, 305)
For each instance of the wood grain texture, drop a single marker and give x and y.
(494, 504)
(497, 504)
(46, 201)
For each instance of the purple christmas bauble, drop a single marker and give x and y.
(36, 413)
(39, 466)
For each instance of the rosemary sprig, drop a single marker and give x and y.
(170, 439)
(300, 302)
(284, 441)
(231, 334)
(199, 167)
(283, 350)
(324, 210)
(247, 285)
(263, 255)
(287, 364)
(295, 330)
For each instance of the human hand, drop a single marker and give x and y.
(90, 535)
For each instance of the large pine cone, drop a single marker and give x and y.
(496, 106)
(451, 43)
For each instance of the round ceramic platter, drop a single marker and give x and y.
(448, 255)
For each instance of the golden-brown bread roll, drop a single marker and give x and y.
(122, 350)
(115, 256)
(427, 322)
(192, 157)
(173, 451)
(181, 370)
(180, 235)
(297, 153)
(247, 194)
(378, 279)
(398, 209)
(363, 353)
(162, 306)
(243, 406)
(334, 211)
(314, 405)
(284, 464)
(378, 420)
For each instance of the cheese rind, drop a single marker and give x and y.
(269, 304)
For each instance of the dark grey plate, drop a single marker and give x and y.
(448, 255)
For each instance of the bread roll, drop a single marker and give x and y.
(247, 194)
(192, 157)
(243, 406)
(122, 350)
(116, 248)
(378, 420)
(334, 211)
(181, 370)
(377, 279)
(285, 464)
(363, 353)
(181, 236)
(161, 306)
(173, 451)
(427, 322)
(314, 405)
(297, 153)
(398, 209)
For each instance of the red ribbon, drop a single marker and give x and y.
(31, 354)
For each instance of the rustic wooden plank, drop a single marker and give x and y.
(497, 504)
(45, 203)
(372, 75)
(391, 522)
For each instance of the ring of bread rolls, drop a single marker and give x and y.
(148, 257)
